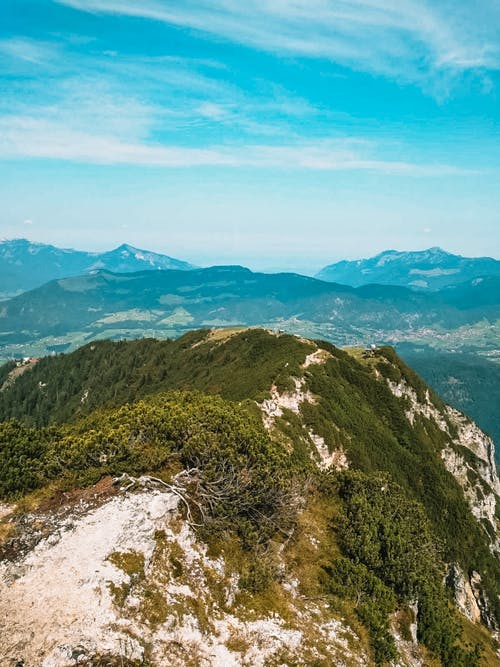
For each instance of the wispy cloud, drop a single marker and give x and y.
(409, 39)
(101, 106)
(28, 51)
(28, 137)
(140, 96)
(34, 138)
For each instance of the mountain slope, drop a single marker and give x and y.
(467, 381)
(430, 269)
(245, 523)
(25, 265)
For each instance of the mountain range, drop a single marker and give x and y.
(451, 335)
(25, 265)
(234, 296)
(431, 269)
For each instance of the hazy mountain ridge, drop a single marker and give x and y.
(174, 301)
(431, 269)
(335, 426)
(25, 265)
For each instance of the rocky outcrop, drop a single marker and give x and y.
(470, 436)
(482, 500)
(416, 407)
(5, 509)
(58, 596)
(484, 605)
(476, 473)
(129, 578)
(272, 408)
(465, 598)
(408, 648)
(470, 598)
(336, 459)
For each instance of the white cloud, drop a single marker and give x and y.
(29, 137)
(212, 111)
(143, 97)
(25, 136)
(28, 51)
(407, 39)
(106, 108)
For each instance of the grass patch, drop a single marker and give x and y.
(154, 608)
(119, 593)
(130, 562)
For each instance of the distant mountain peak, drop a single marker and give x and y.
(429, 269)
(126, 246)
(434, 250)
(26, 243)
(25, 264)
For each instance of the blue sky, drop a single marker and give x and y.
(273, 133)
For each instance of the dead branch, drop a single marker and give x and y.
(147, 482)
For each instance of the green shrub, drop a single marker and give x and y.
(390, 557)
(374, 601)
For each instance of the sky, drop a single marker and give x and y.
(270, 133)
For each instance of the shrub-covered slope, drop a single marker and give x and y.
(468, 381)
(312, 474)
(235, 364)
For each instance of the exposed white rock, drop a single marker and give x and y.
(426, 409)
(481, 493)
(481, 499)
(67, 598)
(273, 408)
(319, 356)
(408, 649)
(58, 595)
(414, 626)
(5, 509)
(465, 599)
(290, 400)
(336, 459)
(471, 436)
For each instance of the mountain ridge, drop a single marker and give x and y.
(230, 295)
(459, 319)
